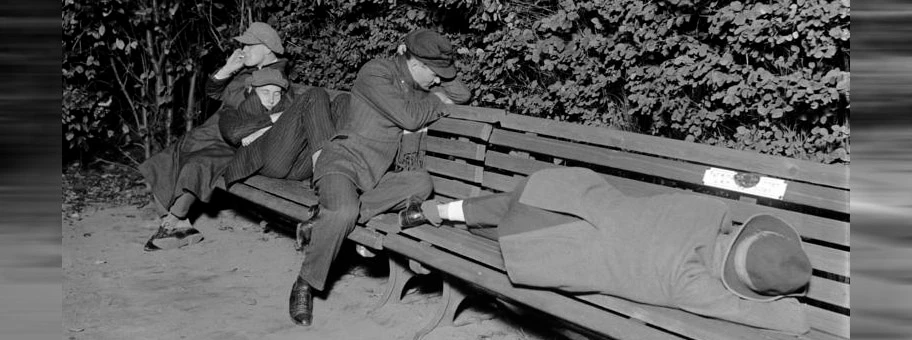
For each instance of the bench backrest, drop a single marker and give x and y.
(480, 150)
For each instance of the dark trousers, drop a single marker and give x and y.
(340, 207)
(504, 211)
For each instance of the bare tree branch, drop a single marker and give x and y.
(123, 89)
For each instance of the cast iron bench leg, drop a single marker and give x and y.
(399, 276)
(447, 308)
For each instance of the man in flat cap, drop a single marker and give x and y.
(261, 44)
(351, 177)
(190, 169)
(571, 230)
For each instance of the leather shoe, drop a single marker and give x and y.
(303, 229)
(172, 237)
(412, 215)
(300, 303)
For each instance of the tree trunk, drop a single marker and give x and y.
(190, 112)
(146, 134)
(169, 111)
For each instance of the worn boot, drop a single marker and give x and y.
(300, 303)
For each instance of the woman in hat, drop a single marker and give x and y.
(569, 229)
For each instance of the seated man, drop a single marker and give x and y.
(408, 92)
(571, 230)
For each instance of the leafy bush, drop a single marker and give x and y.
(766, 76)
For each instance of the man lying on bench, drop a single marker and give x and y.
(569, 229)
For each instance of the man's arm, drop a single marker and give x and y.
(219, 85)
(375, 84)
(455, 90)
(237, 123)
(700, 293)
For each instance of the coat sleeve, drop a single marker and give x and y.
(375, 84)
(698, 292)
(237, 123)
(455, 90)
(229, 90)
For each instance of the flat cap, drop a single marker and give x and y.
(267, 76)
(262, 33)
(433, 50)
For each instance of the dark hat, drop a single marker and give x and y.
(267, 76)
(262, 33)
(433, 50)
(766, 261)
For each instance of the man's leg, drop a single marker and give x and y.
(340, 110)
(394, 191)
(338, 201)
(175, 230)
(482, 211)
(317, 120)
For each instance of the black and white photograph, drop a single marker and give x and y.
(479, 169)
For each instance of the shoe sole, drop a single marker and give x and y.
(173, 243)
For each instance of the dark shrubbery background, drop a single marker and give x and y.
(769, 76)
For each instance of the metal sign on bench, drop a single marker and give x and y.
(748, 183)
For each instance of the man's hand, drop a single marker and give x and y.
(234, 62)
(401, 49)
(275, 116)
(253, 136)
(315, 156)
(443, 97)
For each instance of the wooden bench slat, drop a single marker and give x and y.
(815, 227)
(829, 291)
(487, 252)
(273, 202)
(797, 192)
(811, 172)
(549, 302)
(463, 171)
(828, 259)
(296, 191)
(461, 127)
(475, 113)
(454, 188)
(828, 322)
(457, 148)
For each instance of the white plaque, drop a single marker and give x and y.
(725, 179)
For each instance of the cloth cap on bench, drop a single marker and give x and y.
(267, 76)
(262, 33)
(766, 260)
(433, 50)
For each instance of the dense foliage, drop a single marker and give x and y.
(766, 76)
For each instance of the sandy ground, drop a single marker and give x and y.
(234, 285)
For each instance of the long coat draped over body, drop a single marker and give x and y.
(196, 161)
(663, 250)
(384, 101)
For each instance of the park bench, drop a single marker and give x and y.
(478, 150)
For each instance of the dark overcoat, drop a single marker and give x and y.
(663, 250)
(196, 161)
(384, 101)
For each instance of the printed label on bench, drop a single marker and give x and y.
(746, 183)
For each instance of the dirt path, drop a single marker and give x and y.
(233, 285)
